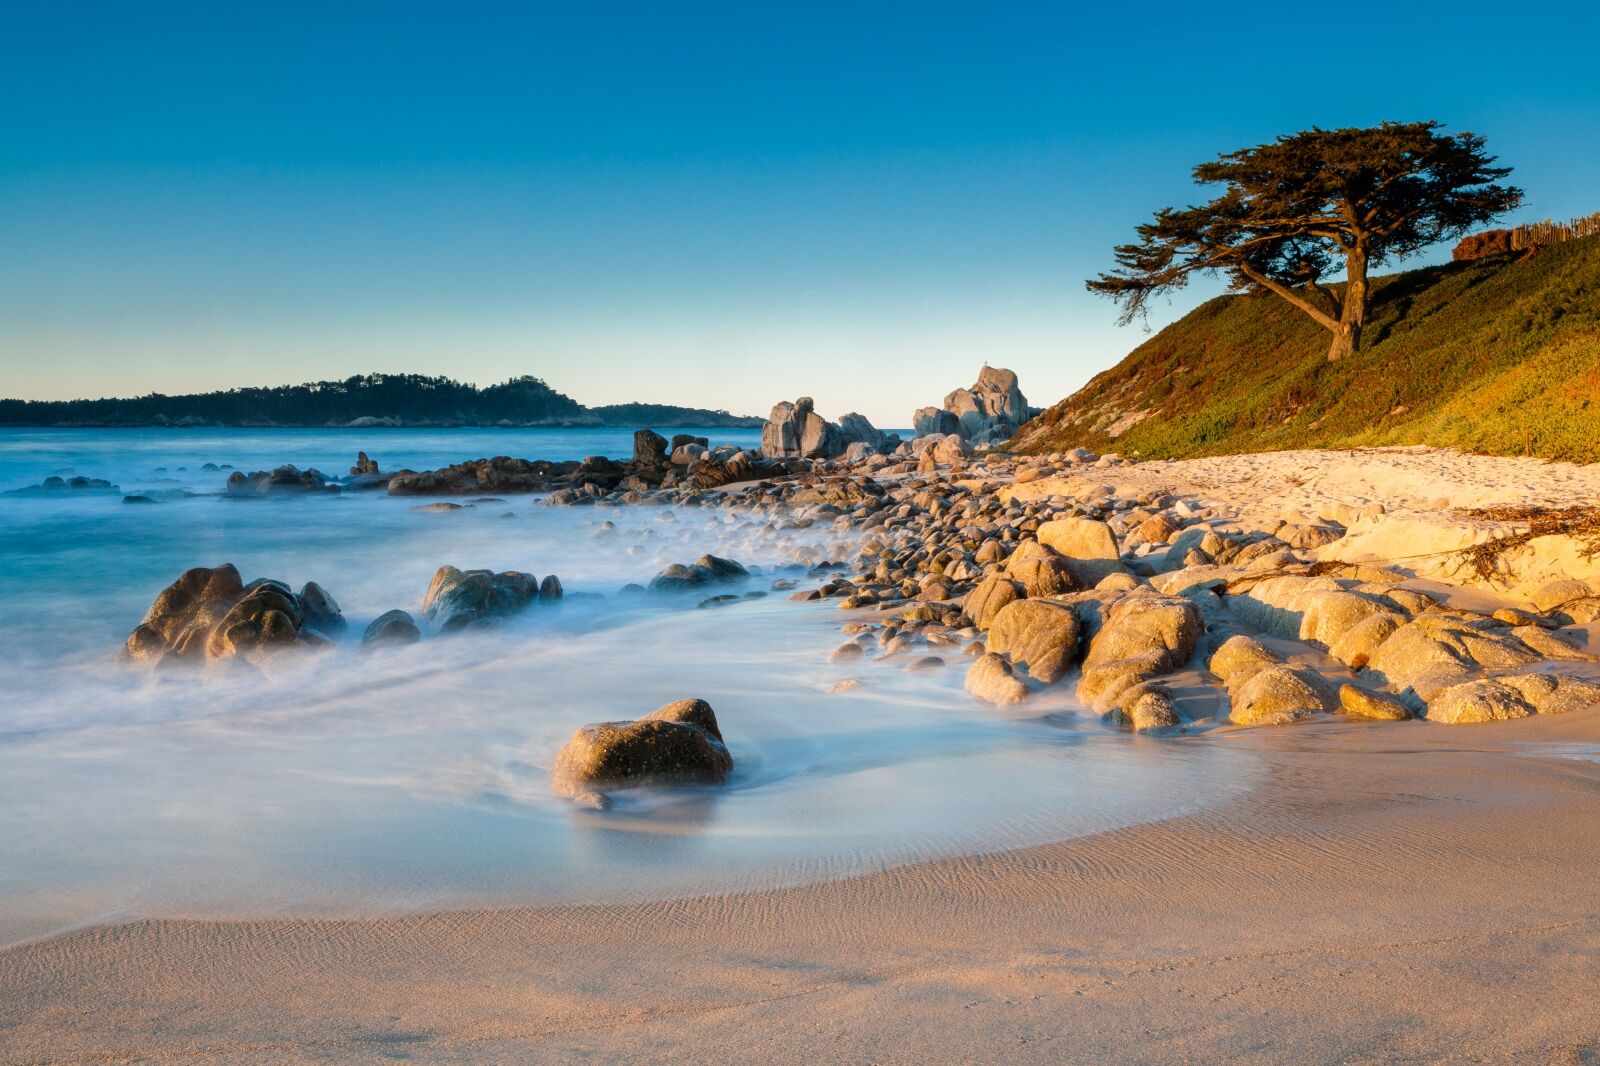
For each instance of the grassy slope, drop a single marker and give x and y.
(1495, 356)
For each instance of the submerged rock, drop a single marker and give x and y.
(679, 744)
(392, 627)
(706, 570)
(288, 479)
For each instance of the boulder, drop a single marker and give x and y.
(1145, 708)
(1038, 635)
(1238, 659)
(649, 450)
(1282, 693)
(459, 598)
(1364, 703)
(319, 608)
(679, 744)
(706, 570)
(985, 601)
(364, 466)
(1440, 649)
(990, 678)
(934, 421)
(1162, 628)
(209, 614)
(392, 627)
(1089, 544)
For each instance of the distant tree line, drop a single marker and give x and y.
(408, 398)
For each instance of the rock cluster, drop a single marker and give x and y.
(280, 480)
(990, 412)
(796, 431)
(55, 486)
(209, 613)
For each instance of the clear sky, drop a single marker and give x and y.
(716, 205)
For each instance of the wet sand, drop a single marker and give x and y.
(1388, 892)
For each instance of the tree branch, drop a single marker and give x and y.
(1325, 320)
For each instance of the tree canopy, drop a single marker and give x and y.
(1294, 210)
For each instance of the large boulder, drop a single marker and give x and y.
(1282, 693)
(209, 614)
(986, 600)
(1039, 635)
(1088, 544)
(459, 598)
(679, 744)
(1141, 637)
(649, 451)
(934, 421)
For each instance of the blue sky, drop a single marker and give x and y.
(715, 205)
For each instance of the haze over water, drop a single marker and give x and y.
(356, 782)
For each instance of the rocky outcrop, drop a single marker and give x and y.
(59, 486)
(796, 431)
(281, 480)
(706, 570)
(990, 412)
(1482, 245)
(501, 475)
(1512, 696)
(679, 744)
(459, 598)
(210, 614)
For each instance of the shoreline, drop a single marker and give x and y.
(1382, 891)
(1379, 895)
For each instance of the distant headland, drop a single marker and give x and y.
(363, 402)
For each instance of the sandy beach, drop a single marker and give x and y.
(1390, 894)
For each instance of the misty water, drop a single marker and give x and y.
(357, 782)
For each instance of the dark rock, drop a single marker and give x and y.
(501, 475)
(364, 465)
(287, 479)
(51, 486)
(392, 627)
(319, 609)
(649, 450)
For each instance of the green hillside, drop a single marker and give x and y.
(1500, 355)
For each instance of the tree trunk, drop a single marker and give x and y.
(1347, 337)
